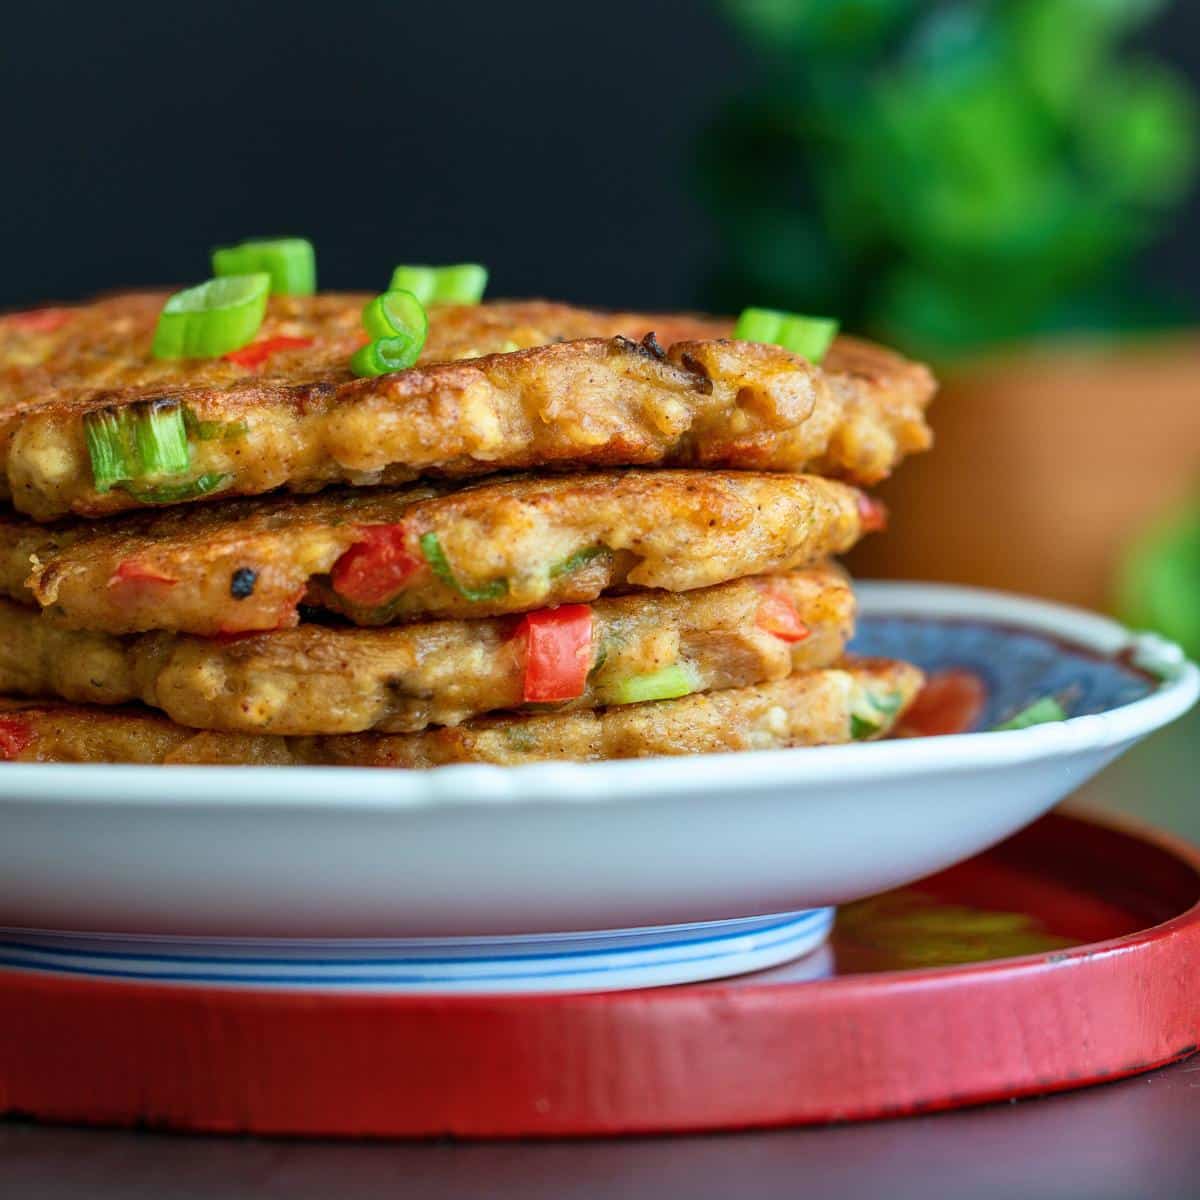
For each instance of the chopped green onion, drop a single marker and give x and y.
(213, 318)
(209, 431)
(861, 729)
(1040, 712)
(396, 313)
(435, 556)
(383, 356)
(192, 490)
(874, 711)
(810, 337)
(669, 683)
(461, 284)
(109, 447)
(290, 262)
(574, 561)
(136, 442)
(399, 324)
(162, 444)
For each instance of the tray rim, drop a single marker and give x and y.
(759, 1038)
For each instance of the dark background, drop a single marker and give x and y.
(551, 141)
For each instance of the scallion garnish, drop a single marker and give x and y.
(161, 439)
(1040, 712)
(668, 683)
(110, 447)
(213, 318)
(290, 262)
(810, 337)
(874, 711)
(574, 561)
(461, 284)
(435, 556)
(203, 485)
(398, 323)
(138, 442)
(209, 431)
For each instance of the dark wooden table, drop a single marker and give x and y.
(1134, 1140)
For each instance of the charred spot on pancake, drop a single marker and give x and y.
(695, 368)
(241, 585)
(650, 342)
(691, 373)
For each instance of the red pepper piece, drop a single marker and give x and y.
(257, 353)
(952, 701)
(376, 567)
(15, 735)
(133, 572)
(777, 614)
(39, 320)
(558, 652)
(872, 514)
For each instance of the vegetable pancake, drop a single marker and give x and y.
(91, 423)
(321, 680)
(856, 700)
(379, 556)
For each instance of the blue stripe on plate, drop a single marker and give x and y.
(435, 952)
(794, 933)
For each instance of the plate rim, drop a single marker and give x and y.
(349, 789)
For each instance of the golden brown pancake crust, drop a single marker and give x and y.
(321, 680)
(500, 386)
(818, 707)
(550, 540)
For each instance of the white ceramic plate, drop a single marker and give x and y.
(474, 851)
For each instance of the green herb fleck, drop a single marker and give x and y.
(860, 729)
(435, 556)
(1040, 712)
(574, 561)
(209, 431)
(173, 494)
(876, 710)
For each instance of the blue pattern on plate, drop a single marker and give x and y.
(626, 957)
(1018, 666)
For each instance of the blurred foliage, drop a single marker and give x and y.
(1159, 584)
(945, 173)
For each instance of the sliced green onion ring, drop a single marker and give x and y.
(203, 485)
(138, 442)
(399, 325)
(668, 683)
(574, 561)
(809, 337)
(435, 556)
(290, 262)
(463, 283)
(1040, 712)
(213, 318)
(869, 718)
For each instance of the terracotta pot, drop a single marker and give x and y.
(1048, 461)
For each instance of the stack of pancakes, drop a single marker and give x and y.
(354, 571)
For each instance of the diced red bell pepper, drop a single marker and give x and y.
(15, 735)
(872, 514)
(777, 614)
(133, 572)
(376, 567)
(558, 652)
(952, 701)
(257, 353)
(39, 320)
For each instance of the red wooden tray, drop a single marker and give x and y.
(923, 1009)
